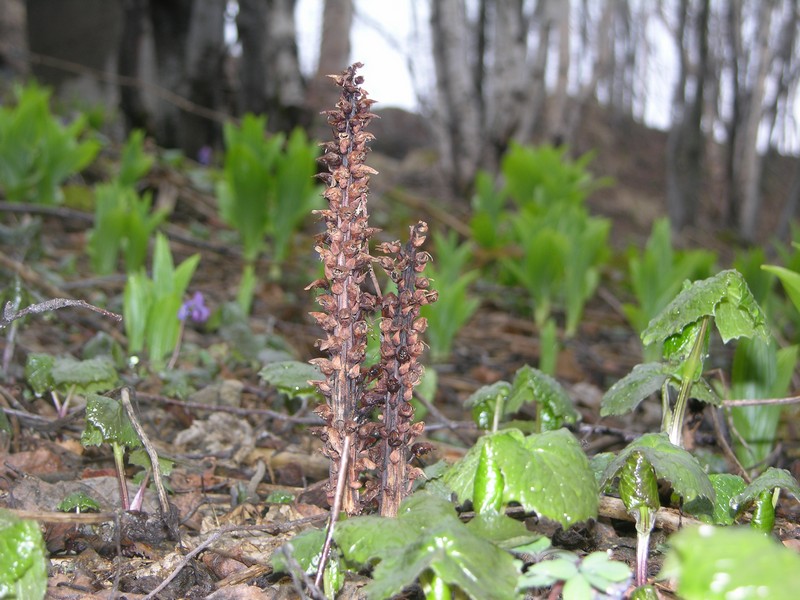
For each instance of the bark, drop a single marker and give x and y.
(269, 69)
(334, 52)
(457, 114)
(560, 98)
(747, 160)
(14, 38)
(131, 98)
(507, 81)
(685, 143)
(205, 73)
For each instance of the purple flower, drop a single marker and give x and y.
(195, 309)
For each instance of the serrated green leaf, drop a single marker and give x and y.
(719, 563)
(306, 549)
(554, 407)
(638, 486)
(487, 495)
(107, 421)
(670, 463)
(483, 402)
(141, 458)
(724, 296)
(726, 486)
(78, 501)
(547, 473)
(88, 376)
(426, 535)
(23, 571)
(766, 482)
(291, 377)
(602, 572)
(548, 572)
(502, 531)
(38, 372)
(626, 394)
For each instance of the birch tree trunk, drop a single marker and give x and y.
(334, 53)
(14, 37)
(456, 114)
(747, 160)
(686, 142)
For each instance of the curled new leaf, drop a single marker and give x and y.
(725, 296)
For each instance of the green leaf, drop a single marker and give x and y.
(670, 463)
(502, 531)
(489, 484)
(107, 422)
(88, 376)
(291, 377)
(141, 458)
(638, 486)
(719, 563)
(603, 573)
(553, 406)
(39, 372)
(23, 572)
(483, 402)
(426, 536)
(306, 549)
(790, 281)
(626, 394)
(766, 482)
(79, 502)
(724, 296)
(726, 487)
(547, 473)
(549, 572)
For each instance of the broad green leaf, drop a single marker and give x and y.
(23, 570)
(726, 487)
(306, 549)
(626, 394)
(487, 495)
(603, 573)
(759, 370)
(766, 482)
(549, 572)
(790, 281)
(134, 163)
(547, 473)
(107, 422)
(670, 463)
(502, 531)
(291, 377)
(720, 563)
(724, 296)
(141, 458)
(484, 400)
(426, 536)
(553, 406)
(79, 502)
(638, 486)
(88, 376)
(39, 372)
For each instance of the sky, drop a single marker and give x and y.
(383, 38)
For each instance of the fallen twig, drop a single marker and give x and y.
(10, 315)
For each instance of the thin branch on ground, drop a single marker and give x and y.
(10, 315)
(760, 401)
(270, 528)
(170, 518)
(236, 410)
(341, 481)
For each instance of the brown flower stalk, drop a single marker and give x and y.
(351, 407)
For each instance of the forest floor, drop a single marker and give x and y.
(237, 444)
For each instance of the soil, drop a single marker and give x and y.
(235, 441)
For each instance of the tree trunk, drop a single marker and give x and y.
(686, 141)
(747, 160)
(131, 98)
(269, 68)
(560, 97)
(205, 73)
(507, 80)
(457, 114)
(334, 53)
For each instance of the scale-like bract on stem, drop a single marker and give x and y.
(351, 408)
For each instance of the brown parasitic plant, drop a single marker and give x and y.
(368, 417)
